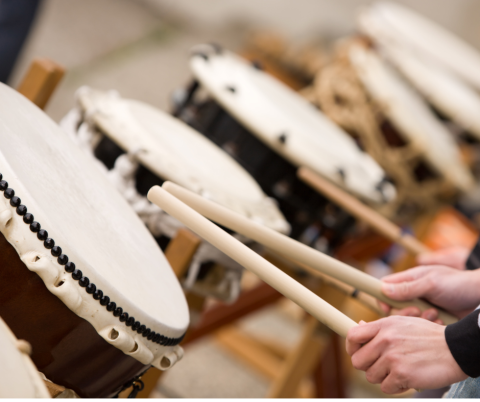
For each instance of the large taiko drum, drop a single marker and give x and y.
(19, 377)
(139, 146)
(453, 98)
(363, 94)
(272, 131)
(82, 279)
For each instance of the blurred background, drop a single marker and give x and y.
(140, 48)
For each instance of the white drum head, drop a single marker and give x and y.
(427, 75)
(176, 152)
(18, 375)
(411, 116)
(425, 37)
(94, 226)
(287, 123)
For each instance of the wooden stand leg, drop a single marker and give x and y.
(305, 357)
(301, 361)
(328, 374)
(41, 80)
(250, 351)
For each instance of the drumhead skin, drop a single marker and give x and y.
(411, 116)
(426, 37)
(176, 152)
(427, 75)
(94, 227)
(287, 123)
(18, 375)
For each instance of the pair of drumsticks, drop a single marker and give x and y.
(193, 210)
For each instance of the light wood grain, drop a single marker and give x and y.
(290, 248)
(361, 211)
(286, 285)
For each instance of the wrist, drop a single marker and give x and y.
(470, 284)
(463, 340)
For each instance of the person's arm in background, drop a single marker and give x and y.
(458, 257)
(455, 257)
(410, 352)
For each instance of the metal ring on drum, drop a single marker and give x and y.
(82, 280)
(139, 146)
(271, 131)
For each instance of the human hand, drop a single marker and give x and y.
(455, 291)
(455, 257)
(402, 353)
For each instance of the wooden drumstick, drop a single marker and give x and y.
(293, 249)
(362, 212)
(246, 257)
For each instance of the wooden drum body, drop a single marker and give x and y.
(65, 347)
(82, 280)
(271, 132)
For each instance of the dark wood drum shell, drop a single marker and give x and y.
(66, 348)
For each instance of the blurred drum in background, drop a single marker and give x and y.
(82, 279)
(139, 146)
(451, 97)
(366, 97)
(445, 86)
(424, 38)
(272, 131)
(19, 377)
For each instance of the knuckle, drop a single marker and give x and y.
(431, 281)
(400, 376)
(392, 361)
(404, 288)
(370, 377)
(385, 387)
(356, 362)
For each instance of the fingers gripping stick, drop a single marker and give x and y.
(286, 285)
(290, 248)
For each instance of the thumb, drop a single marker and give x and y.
(406, 290)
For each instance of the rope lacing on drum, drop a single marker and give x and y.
(339, 93)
